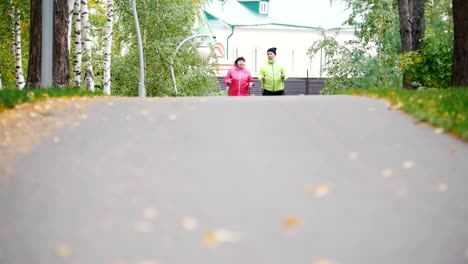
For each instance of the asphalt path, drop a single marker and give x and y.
(306, 179)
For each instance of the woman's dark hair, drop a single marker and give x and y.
(238, 59)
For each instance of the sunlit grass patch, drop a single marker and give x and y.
(9, 98)
(444, 108)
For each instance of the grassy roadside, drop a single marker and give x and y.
(11, 97)
(444, 108)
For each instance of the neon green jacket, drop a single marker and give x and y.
(272, 71)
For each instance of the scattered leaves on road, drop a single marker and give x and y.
(22, 127)
(319, 191)
(216, 237)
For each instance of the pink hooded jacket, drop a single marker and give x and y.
(240, 80)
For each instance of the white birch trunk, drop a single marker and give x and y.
(17, 49)
(1, 86)
(108, 47)
(78, 54)
(86, 45)
(71, 4)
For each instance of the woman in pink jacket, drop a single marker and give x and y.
(238, 79)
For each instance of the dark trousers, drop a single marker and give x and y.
(267, 93)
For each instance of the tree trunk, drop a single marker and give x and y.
(405, 24)
(78, 49)
(460, 58)
(86, 46)
(17, 48)
(411, 13)
(35, 51)
(1, 86)
(61, 56)
(108, 47)
(71, 4)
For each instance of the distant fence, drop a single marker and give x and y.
(293, 86)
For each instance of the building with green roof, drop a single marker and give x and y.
(246, 28)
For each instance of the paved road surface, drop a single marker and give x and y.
(290, 180)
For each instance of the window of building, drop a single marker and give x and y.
(264, 8)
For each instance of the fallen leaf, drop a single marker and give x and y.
(322, 261)
(439, 130)
(148, 262)
(173, 117)
(452, 150)
(189, 223)
(213, 238)
(442, 187)
(144, 227)
(387, 173)
(144, 112)
(63, 250)
(150, 213)
(319, 191)
(209, 238)
(455, 134)
(226, 236)
(291, 222)
(408, 164)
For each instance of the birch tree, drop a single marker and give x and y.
(78, 49)
(86, 46)
(16, 47)
(108, 47)
(71, 5)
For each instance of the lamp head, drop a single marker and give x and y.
(204, 51)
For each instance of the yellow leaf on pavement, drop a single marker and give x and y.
(318, 191)
(291, 222)
(63, 250)
(322, 261)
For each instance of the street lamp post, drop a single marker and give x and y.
(203, 51)
(141, 81)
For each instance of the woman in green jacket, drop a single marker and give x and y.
(272, 74)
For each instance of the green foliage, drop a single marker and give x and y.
(372, 59)
(432, 67)
(7, 60)
(11, 97)
(164, 24)
(377, 24)
(444, 108)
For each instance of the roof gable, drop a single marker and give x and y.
(257, 6)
